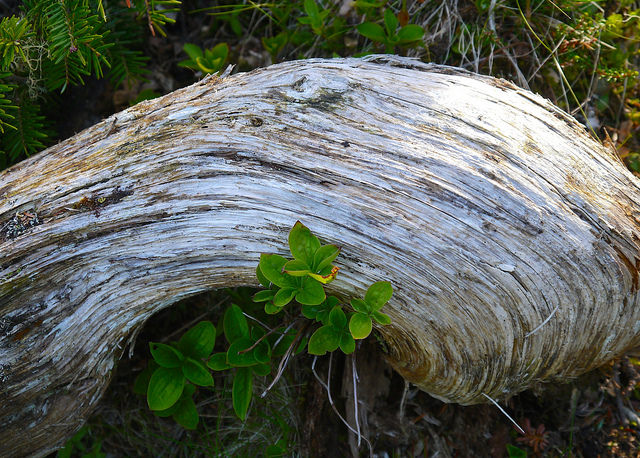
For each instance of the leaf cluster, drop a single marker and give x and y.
(179, 368)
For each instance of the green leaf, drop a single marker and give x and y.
(271, 266)
(302, 243)
(221, 50)
(324, 256)
(271, 309)
(347, 344)
(237, 357)
(311, 292)
(381, 318)
(261, 369)
(193, 51)
(515, 452)
(284, 296)
(218, 362)
(262, 352)
(378, 294)
(186, 414)
(197, 373)
(321, 311)
(311, 8)
(264, 296)
(372, 31)
(242, 391)
(235, 324)
(323, 340)
(198, 342)
(390, 22)
(360, 306)
(337, 318)
(165, 388)
(264, 281)
(325, 278)
(166, 355)
(410, 33)
(166, 412)
(296, 268)
(360, 325)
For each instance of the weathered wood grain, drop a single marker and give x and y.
(511, 236)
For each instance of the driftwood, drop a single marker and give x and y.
(510, 235)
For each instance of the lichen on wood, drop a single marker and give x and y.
(510, 235)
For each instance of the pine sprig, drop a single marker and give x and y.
(14, 31)
(30, 130)
(127, 60)
(6, 105)
(74, 40)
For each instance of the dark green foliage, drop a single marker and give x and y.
(54, 44)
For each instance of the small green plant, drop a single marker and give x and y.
(407, 36)
(207, 61)
(179, 368)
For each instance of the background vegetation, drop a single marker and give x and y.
(91, 58)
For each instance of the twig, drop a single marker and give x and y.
(327, 386)
(504, 412)
(285, 359)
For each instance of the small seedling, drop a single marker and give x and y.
(389, 35)
(207, 61)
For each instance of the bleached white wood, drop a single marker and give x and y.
(510, 235)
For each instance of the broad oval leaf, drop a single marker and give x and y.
(378, 294)
(264, 296)
(264, 281)
(381, 318)
(324, 256)
(347, 344)
(166, 412)
(302, 243)
(165, 388)
(271, 266)
(296, 268)
(284, 296)
(360, 325)
(237, 356)
(262, 352)
(218, 362)
(193, 51)
(242, 391)
(196, 372)
(311, 292)
(198, 342)
(166, 355)
(261, 369)
(323, 340)
(186, 413)
(337, 317)
(410, 33)
(235, 324)
(271, 309)
(360, 306)
(390, 22)
(372, 31)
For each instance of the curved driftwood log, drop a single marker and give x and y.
(510, 235)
